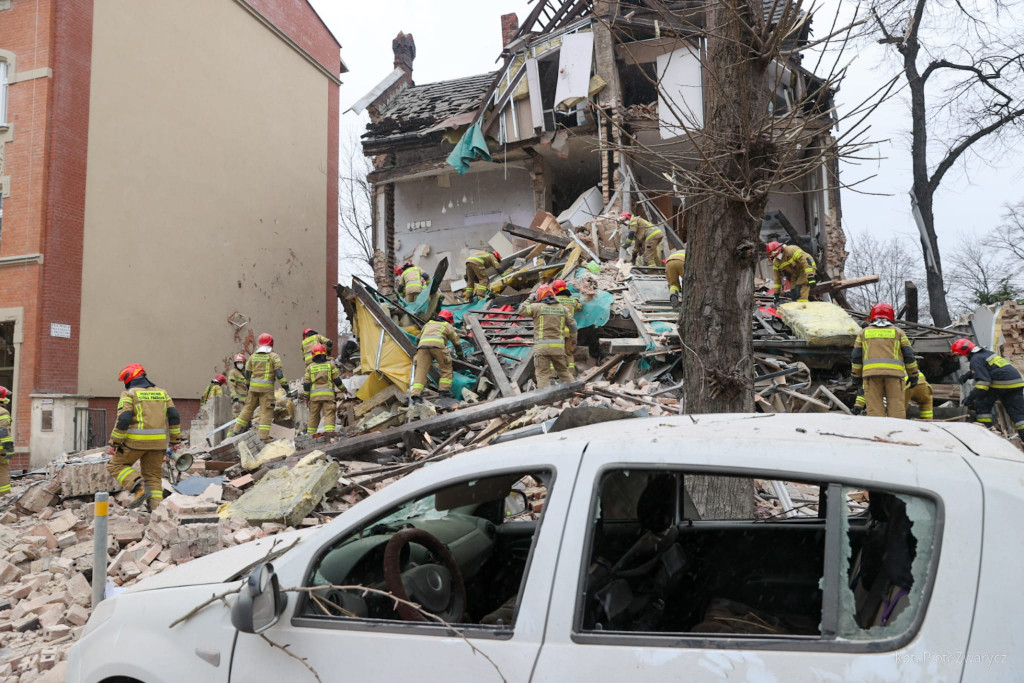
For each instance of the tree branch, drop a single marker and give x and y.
(965, 144)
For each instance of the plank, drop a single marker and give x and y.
(497, 371)
(524, 370)
(550, 240)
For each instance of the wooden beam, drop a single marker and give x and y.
(497, 371)
(551, 240)
(523, 370)
(347, 448)
(836, 285)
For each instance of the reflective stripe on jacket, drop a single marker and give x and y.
(149, 429)
(307, 346)
(412, 279)
(263, 369)
(320, 380)
(485, 259)
(995, 372)
(6, 436)
(212, 389)
(237, 384)
(883, 351)
(551, 323)
(435, 333)
(795, 264)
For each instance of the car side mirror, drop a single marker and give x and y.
(516, 504)
(260, 602)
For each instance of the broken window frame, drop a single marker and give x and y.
(834, 580)
(303, 617)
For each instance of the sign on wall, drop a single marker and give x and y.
(60, 330)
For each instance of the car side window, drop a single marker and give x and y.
(667, 557)
(459, 553)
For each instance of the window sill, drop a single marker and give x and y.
(24, 260)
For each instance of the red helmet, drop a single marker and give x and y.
(130, 372)
(544, 291)
(319, 349)
(559, 285)
(882, 310)
(220, 379)
(265, 340)
(963, 347)
(238, 358)
(445, 314)
(774, 247)
(398, 270)
(626, 215)
(407, 264)
(5, 393)
(306, 332)
(496, 254)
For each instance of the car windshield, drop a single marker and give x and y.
(424, 508)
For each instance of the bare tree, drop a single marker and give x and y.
(963, 63)
(355, 223)
(894, 260)
(1009, 236)
(981, 275)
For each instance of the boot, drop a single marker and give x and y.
(445, 394)
(674, 300)
(141, 492)
(414, 400)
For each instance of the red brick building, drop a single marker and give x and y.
(163, 167)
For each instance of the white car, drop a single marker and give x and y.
(899, 561)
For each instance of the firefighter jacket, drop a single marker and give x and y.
(485, 259)
(212, 389)
(796, 265)
(677, 256)
(146, 419)
(435, 334)
(643, 230)
(552, 324)
(412, 279)
(237, 386)
(6, 436)
(320, 380)
(993, 372)
(572, 307)
(262, 369)
(883, 350)
(309, 342)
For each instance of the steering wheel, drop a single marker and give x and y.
(438, 588)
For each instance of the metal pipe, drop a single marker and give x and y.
(99, 546)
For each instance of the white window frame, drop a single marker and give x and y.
(4, 74)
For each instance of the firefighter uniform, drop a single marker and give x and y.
(318, 384)
(798, 267)
(433, 345)
(146, 422)
(882, 356)
(212, 389)
(572, 306)
(6, 451)
(476, 273)
(996, 380)
(307, 347)
(262, 368)
(921, 394)
(674, 271)
(550, 320)
(411, 282)
(238, 389)
(647, 239)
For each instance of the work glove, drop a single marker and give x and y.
(292, 394)
(811, 282)
(968, 401)
(857, 410)
(965, 377)
(856, 380)
(914, 380)
(112, 449)
(631, 235)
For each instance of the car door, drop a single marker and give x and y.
(734, 634)
(382, 649)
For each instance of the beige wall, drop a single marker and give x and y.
(206, 192)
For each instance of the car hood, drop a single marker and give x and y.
(224, 565)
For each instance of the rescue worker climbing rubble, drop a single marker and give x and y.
(995, 379)
(433, 346)
(311, 338)
(572, 307)
(238, 387)
(674, 274)
(318, 385)
(645, 237)
(214, 388)
(476, 273)
(794, 264)
(881, 357)
(6, 442)
(146, 422)
(550, 320)
(261, 371)
(411, 281)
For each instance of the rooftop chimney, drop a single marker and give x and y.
(509, 28)
(404, 48)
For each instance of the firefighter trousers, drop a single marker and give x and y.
(5, 474)
(236, 406)
(265, 401)
(922, 396)
(424, 356)
(411, 293)
(120, 468)
(889, 388)
(476, 280)
(1013, 403)
(549, 361)
(328, 408)
(674, 275)
(652, 251)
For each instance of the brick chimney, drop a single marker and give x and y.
(509, 28)
(404, 48)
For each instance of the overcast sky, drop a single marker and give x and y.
(465, 39)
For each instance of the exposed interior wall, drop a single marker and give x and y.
(53, 426)
(463, 212)
(208, 148)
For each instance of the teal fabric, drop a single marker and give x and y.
(471, 146)
(422, 303)
(596, 311)
(459, 310)
(463, 379)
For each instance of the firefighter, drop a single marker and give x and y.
(214, 388)
(674, 274)
(476, 273)
(646, 238)
(921, 394)
(994, 380)
(261, 371)
(550, 320)
(146, 421)
(411, 281)
(6, 442)
(318, 388)
(881, 357)
(572, 307)
(433, 345)
(238, 388)
(794, 264)
(310, 338)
